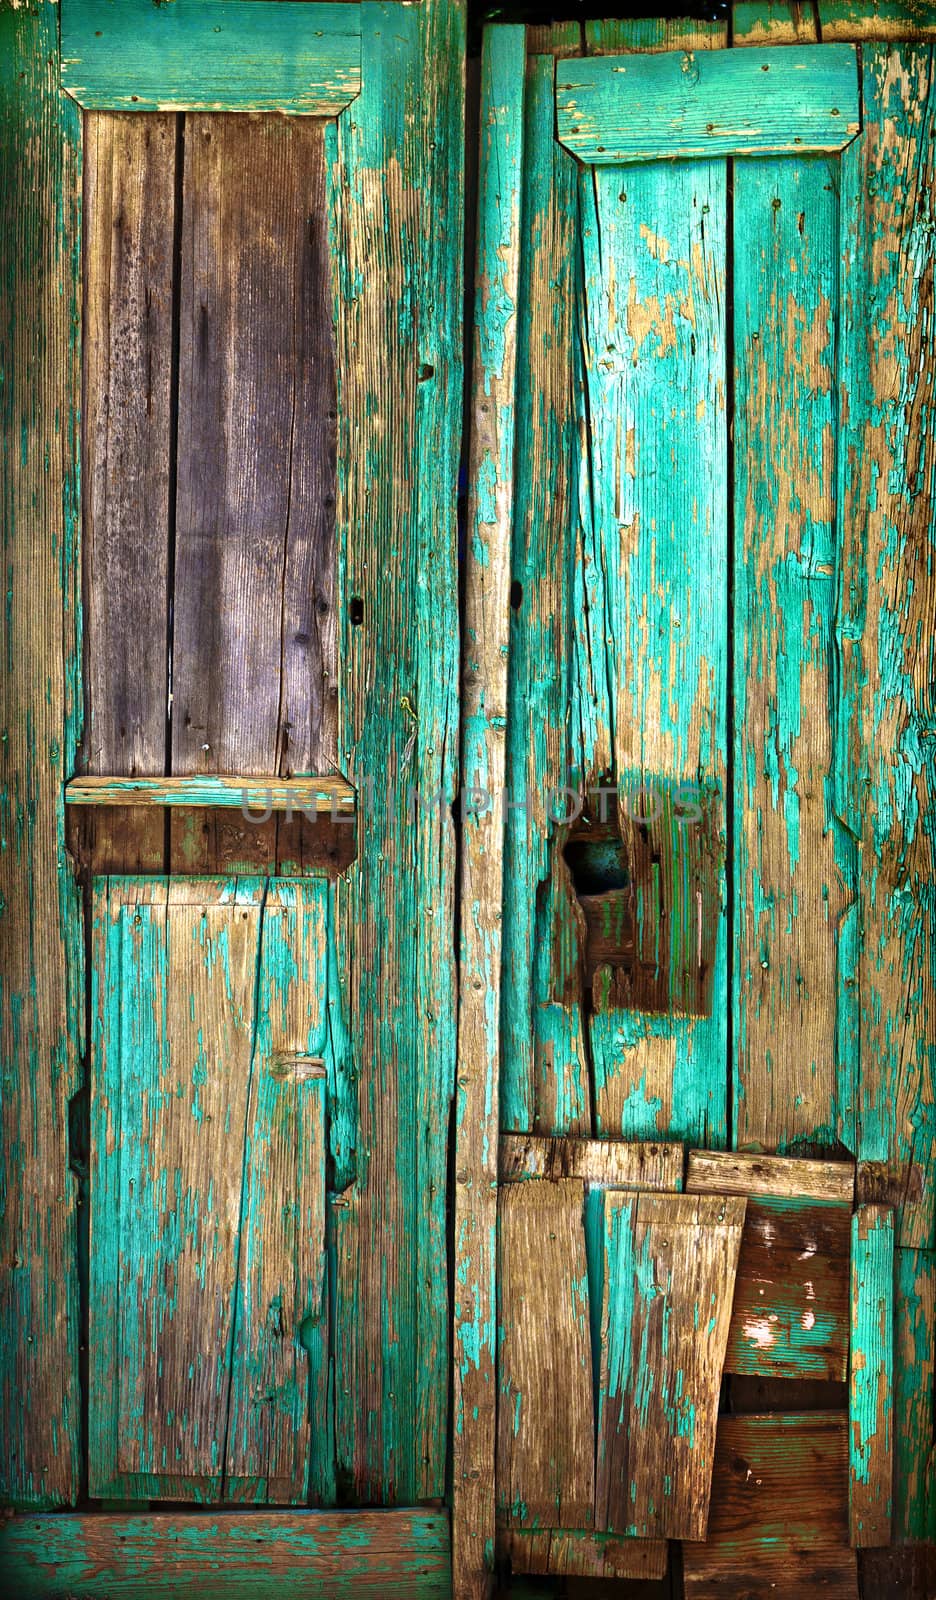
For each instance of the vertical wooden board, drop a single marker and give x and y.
(915, 1397)
(870, 1393)
(254, 636)
(790, 1314)
(652, 641)
(794, 867)
(395, 204)
(175, 975)
(41, 1000)
(778, 1523)
(545, 1067)
(280, 1425)
(129, 219)
(545, 1427)
(884, 778)
(668, 1274)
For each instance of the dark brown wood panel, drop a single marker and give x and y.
(790, 1315)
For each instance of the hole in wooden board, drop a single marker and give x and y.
(356, 611)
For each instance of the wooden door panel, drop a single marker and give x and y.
(207, 1219)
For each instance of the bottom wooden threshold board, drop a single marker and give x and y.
(227, 1555)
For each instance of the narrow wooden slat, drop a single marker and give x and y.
(876, 21)
(728, 1172)
(886, 510)
(129, 217)
(41, 999)
(914, 1413)
(870, 1399)
(614, 109)
(653, 693)
(669, 1270)
(348, 1555)
(545, 1437)
(778, 1523)
(249, 794)
(211, 55)
(254, 634)
(582, 1554)
(790, 1316)
(484, 713)
(597, 1161)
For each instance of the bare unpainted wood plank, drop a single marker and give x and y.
(908, 1572)
(606, 1162)
(886, 510)
(877, 21)
(484, 713)
(870, 1396)
(790, 1316)
(348, 1555)
(219, 56)
(623, 109)
(545, 1436)
(41, 999)
(565, 1553)
(257, 796)
(254, 635)
(129, 218)
(668, 1275)
(778, 1523)
(728, 1172)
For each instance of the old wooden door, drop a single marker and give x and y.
(232, 245)
(698, 880)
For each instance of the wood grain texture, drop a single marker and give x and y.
(211, 55)
(484, 721)
(790, 1315)
(886, 509)
(129, 221)
(871, 1361)
(348, 1555)
(328, 794)
(606, 1162)
(727, 1172)
(209, 1366)
(545, 1437)
(915, 1397)
(876, 21)
(760, 22)
(795, 869)
(673, 106)
(41, 1000)
(668, 1275)
(778, 1522)
(395, 189)
(649, 700)
(582, 1554)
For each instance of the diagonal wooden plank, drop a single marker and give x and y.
(669, 1270)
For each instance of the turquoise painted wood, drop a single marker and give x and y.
(302, 57)
(871, 1364)
(614, 109)
(346, 1555)
(246, 793)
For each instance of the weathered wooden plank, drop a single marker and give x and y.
(484, 722)
(728, 1172)
(654, 295)
(770, 22)
(614, 109)
(41, 999)
(211, 55)
(545, 1433)
(908, 1571)
(914, 1413)
(328, 793)
(582, 1554)
(870, 1397)
(668, 1276)
(607, 1162)
(348, 1555)
(790, 1315)
(129, 221)
(794, 877)
(396, 207)
(871, 21)
(886, 509)
(778, 1522)
(279, 1430)
(610, 35)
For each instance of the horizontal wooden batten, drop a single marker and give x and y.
(298, 56)
(223, 1555)
(728, 1172)
(783, 100)
(252, 794)
(562, 1552)
(609, 1163)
